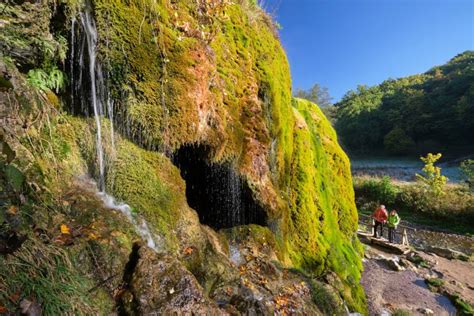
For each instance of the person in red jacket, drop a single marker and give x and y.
(380, 216)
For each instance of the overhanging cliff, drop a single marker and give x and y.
(153, 80)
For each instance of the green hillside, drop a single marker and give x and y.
(432, 111)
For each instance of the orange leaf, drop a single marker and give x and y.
(3, 309)
(65, 229)
(12, 210)
(188, 250)
(14, 297)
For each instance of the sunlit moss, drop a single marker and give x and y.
(323, 219)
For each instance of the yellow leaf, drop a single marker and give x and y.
(65, 229)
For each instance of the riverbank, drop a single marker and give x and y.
(405, 168)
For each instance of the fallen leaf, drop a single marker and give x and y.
(65, 229)
(3, 309)
(188, 250)
(13, 209)
(14, 297)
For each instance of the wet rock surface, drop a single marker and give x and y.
(249, 281)
(159, 284)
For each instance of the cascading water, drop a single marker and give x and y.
(89, 90)
(222, 198)
(90, 31)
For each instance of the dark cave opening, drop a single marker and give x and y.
(221, 197)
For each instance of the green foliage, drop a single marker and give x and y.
(467, 170)
(397, 142)
(316, 94)
(52, 79)
(46, 274)
(433, 109)
(379, 190)
(26, 36)
(453, 209)
(432, 177)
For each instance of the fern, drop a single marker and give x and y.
(62, 48)
(38, 78)
(54, 79)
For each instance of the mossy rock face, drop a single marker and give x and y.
(212, 73)
(188, 72)
(322, 219)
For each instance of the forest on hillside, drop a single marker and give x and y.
(421, 113)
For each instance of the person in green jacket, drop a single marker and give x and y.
(392, 222)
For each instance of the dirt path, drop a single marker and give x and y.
(388, 290)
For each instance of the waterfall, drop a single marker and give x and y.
(90, 31)
(235, 197)
(140, 224)
(89, 90)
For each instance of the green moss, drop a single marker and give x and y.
(150, 184)
(258, 235)
(214, 73)
(401, 312)
(322, 220)
(14, 177)
(434, 282)
(463, 308)
(170, 64)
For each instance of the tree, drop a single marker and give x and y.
(434, 108)
(432, 178)
(397, 142)
(316, 94)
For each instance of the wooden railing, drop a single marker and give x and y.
(370, 222)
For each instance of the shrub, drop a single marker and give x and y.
(432, 177)
(467, 171)
(380, 190)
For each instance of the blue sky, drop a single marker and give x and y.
(342, 43)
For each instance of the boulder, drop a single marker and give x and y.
(392, 263)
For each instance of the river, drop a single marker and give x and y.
(402, 169)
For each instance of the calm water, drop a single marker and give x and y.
(403, 169)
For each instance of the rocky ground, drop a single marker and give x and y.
(419, 282)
